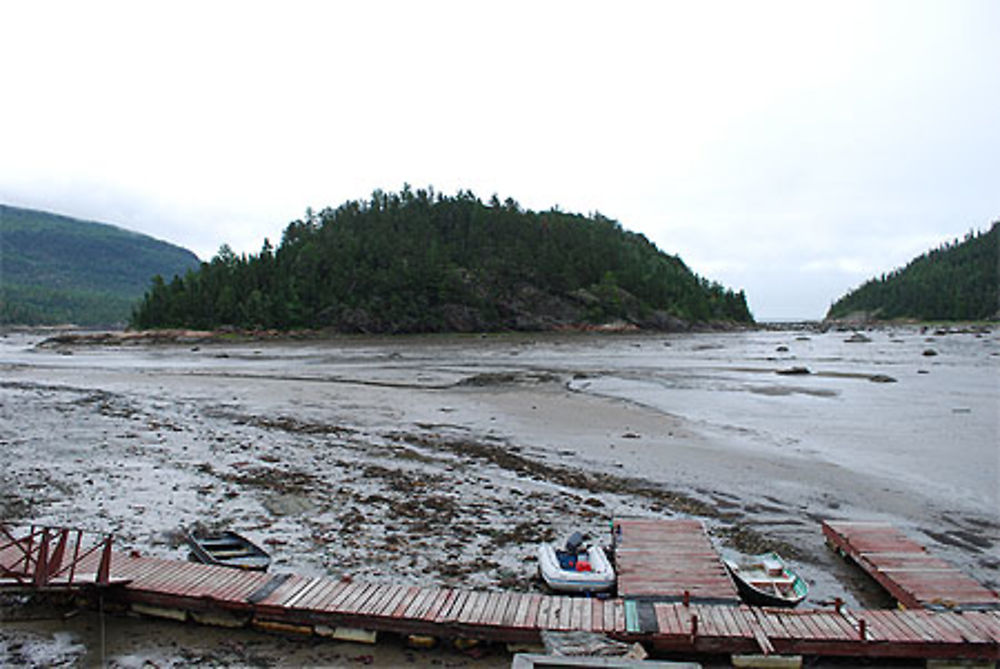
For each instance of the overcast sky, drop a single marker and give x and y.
(791, 149)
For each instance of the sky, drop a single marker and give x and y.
(789, 149)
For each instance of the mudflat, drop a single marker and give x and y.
(446, 459)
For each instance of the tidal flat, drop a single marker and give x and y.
(446, 459)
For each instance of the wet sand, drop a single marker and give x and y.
(444, 460)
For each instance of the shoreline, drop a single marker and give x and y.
(71, 335)
(446, 459)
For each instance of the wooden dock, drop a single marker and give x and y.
(295, 604)
(826, 632)
(301, 605)
(289, 602)
(669, 560)
(906, 570)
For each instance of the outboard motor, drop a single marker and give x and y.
(574, 542)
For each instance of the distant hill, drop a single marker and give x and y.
(425, 262)
(958, 281)
(55, 269)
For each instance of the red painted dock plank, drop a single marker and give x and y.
(135, 569)
(493, 616)
(167, 578)
(350, 592)
(664, 558)
(542, 614)
(197, 586)
(404, 603)
(905, 568)
(666, 619)
(441, 603)
(363, 592)
(312, 585)
(482, 606)
(473, 605)
(415, 603)
(292, 593)
(329, 590)
(525, 612)
(239, 590)
(212, 584)
(379, 598)
(513, 604)
(565, 612)
(450, 613)
(587, 613)
(391, 602)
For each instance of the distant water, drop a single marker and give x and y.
(933, 428)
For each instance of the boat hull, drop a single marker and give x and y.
(228, 549)
(767, 581)
(600, 577)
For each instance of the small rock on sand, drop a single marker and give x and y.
(794, 371)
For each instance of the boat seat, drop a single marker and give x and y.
(772, 567)
(231, 553)
(781, 584)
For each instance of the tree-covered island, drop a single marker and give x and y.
(421, 261)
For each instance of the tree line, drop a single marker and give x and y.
(956, 281)
(421, 261)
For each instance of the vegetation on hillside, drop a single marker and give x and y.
(424, 262)
(957, 281)
(56, 270)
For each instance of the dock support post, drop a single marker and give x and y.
(55, 562)
(104, 570)
(76, 555)
(42, 561)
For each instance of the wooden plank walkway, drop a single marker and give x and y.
(664, 559)
(305, 604)
(310, 604)
(315, 605)
(828, 632)
(316, 601)
(905, 569)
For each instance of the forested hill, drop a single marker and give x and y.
(56, 270)
(958, 281)
(425, 262)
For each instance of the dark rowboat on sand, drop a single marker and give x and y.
(227, 549)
